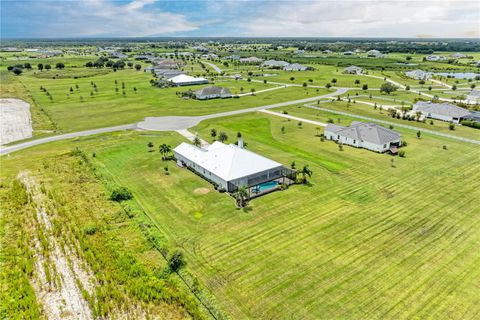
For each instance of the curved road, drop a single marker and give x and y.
(214, 66)
(168, 123)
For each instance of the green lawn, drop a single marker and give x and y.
(364, 240)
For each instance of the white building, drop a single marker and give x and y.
(251, 60)
(473, 97)
(353, 70)
(434, 57)
(418, 74)
(231, 167)
(184, 80)
(375, 54)
(364, 135)
(441, 111)
(295, 67)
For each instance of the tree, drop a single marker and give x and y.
(451, 126)
(17, 71)
(40, 66)
(472, 86)
(121, 194)
(213, 133)
(387, 87)
(292, 78)
(60, 65)
(282, 129)
(328, 85)
(241, 195)
(27, 66)
(334, 80)
(197, 142)
(293, 165)
(365, 87)
(176, 260)
(48, 67)
(164, 149)
(222, 137)
(265, 81)
(422, 82)
(419, 134)
(304, 85)
(150, 146)
(89, 64)
(305, 172)
(130, 64)
(252, 91)
(454, 87)
(407, 88)
(357, 81)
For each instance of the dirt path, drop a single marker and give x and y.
(15, 120)
(58, 272)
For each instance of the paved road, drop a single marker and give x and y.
(24, 145)
(214, 66)
(169, 123)
(287, 116)
(395, 124)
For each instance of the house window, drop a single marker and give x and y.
(384, 145)
(353, 141)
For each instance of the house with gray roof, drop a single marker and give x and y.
(375, 53)
(418, 74)
(295, 67)
(473, 97)
(364, 135)
(274, 64)
(212, 92)
(251, 60)
(353, 70)
(441, 111)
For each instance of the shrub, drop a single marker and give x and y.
(401, 154)
(121, 194)
(90, 229)
(471, 123)
(451, 126)
(176, 260)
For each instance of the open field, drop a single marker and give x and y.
(365, 240)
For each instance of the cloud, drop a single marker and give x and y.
(96, 18)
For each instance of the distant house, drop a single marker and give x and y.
(210, 56)
(375, 54)
(327, 51)
(251, 60)
(295, 67)
(232, 57)
(212, 93)
(167, 73)
(418, 74)
(348, 53)
(364, 135)
(274, 64)
(184, 80)
(231, 167)
(118, 55)
(441, 111)
(473, 97)
(458, 55)
(434, 57)
(299, 51)
(353, 70)
(166, 64)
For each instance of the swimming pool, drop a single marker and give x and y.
(265, 186)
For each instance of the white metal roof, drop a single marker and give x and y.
(228, 162)
(183, 78)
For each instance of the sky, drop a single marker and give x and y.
(240, 18)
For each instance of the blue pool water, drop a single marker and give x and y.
(265, 186)
(458, 75)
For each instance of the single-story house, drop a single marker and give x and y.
(348, 53)
(458, 55)
(353, 70)
(441, 111)
(418, 74)
(295, 67)
(167, 73)
(233, 57)
(166, 64)
(473, 97)
(212, 93)
(364, 135)
(274, 64)
(434, 57)
(299, 51)
(185, 80)
(251, 60)
(118, 55)
(231, 167)
(375, 53)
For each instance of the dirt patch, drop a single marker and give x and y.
(15, 120)
(201, 191)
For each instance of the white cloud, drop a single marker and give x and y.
(357, 18)
(110, 18)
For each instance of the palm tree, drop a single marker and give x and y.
(213, 133)
(150, 146)
(197, 142)
(165, 150)
(222, 137)
(241, 195)
(306, 172)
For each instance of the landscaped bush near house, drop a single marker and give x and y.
(401, 154)
(121, 194)
(471, 123)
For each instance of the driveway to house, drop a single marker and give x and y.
(168, 123)
(395, 124)
(214, 66)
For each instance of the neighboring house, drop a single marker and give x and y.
(364, 135)
(473, 116)
(473, 97)
(418, 74)
(118, 55)
(441, 111)
(212, 93)
(434, 57)
(375, 54)
(231, 167)
(167, 73)
(299, 51)
(348, 53)
(232, 57)
(251, 60)
(353, 70)
(327, 51)
(295, 67)
(458, 55)
(209, 56)
(166, 64)
(184, 80)
(274, 64)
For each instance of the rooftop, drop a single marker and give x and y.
(228, 162)
(365, 131)
(445, 109)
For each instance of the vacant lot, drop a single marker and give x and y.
(365, 240)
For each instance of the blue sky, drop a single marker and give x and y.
(240, 18)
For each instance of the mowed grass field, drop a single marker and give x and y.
(366, 240)
(86, 108)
